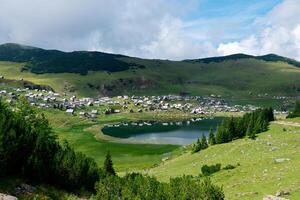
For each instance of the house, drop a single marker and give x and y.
(94, 112)
(70, 111)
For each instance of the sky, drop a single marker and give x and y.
(164, 29)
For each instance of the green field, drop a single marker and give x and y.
(256, 174)
(245, 78)
(85, 136)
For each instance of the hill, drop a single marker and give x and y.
(262, 166)
(95, 73)
(53, 61)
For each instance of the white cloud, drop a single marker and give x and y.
(115, 26)
(280, 34)
(151, 29)
(248, 46)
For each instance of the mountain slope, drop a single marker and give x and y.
(54, 61)
(95, 73)
(262, 166)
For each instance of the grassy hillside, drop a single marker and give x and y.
(256, 174)
(243, 78)
(94, 73)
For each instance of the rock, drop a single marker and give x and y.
(271, 197)
(269, 143)
(274, 149)
(7, 197)
(242, 194)
(25, 189)
(282, 193)
(280, 160)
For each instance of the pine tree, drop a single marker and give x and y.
(250, 133)
(271, 114)
(231, 129)
(219, 135)
(204, 144)
(197, 147)
(211, 138)
(108, 165)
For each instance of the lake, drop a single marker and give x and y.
(179, 133)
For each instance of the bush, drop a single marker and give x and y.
(228, 167)
(137, 186)
(210, 169)
(296, 111)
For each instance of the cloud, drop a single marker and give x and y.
(132, 27)
(173, 29)
(280, 34)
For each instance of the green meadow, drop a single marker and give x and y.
(262, 166)
(237, 79)
(85, 136)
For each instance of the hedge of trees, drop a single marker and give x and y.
(137, 186)
(234, 128)
(29, 148)
(248, 125)
(296, 111)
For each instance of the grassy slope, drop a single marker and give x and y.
(84, 134)
(228, 78)
(258, 171)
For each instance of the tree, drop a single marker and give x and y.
(197, 147)
(204, 144)
(211, 138)
(296, 111)
(108, 165)
(231, 129)
(250, 130)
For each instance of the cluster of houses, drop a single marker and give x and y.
(92, 107)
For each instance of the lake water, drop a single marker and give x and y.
(180, 133)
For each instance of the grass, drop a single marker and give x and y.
(257, 174)
(244, 78)
(84, 134)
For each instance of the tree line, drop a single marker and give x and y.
(232, 128)
(29, 149)
(296, 111)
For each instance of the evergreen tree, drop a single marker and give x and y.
(296, 111)
(108, 165)
(219, 135)
(197, 147)
(211, 138)
(250, 131)
(231, 129)
(204, 144)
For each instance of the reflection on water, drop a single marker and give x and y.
(180, 133)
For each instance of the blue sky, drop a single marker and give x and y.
(166, 29)
(235, 18)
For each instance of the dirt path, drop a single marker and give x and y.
(287, 123)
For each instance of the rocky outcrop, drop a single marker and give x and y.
(7, 197)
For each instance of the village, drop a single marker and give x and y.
(92, 107)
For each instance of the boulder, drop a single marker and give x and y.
(7, 197)
(282, 193)
(280, 160)
(271, 197)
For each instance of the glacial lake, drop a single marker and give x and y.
(179, 133)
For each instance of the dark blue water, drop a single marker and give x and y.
(180, 133)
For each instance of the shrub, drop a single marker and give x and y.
(210, 169)
(228, 167)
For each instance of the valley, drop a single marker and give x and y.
(149, 118)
